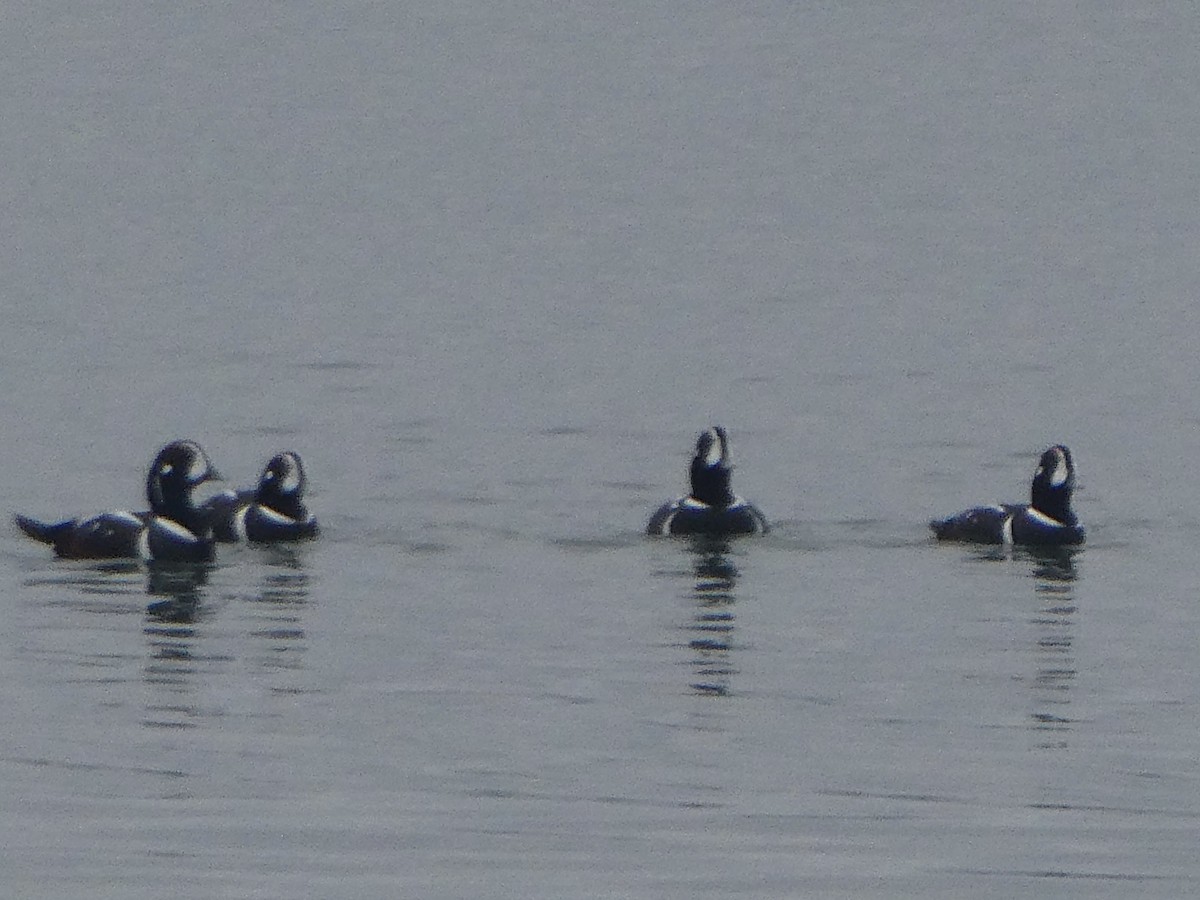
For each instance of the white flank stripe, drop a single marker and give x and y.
(143, 545)
(1006, 530)
(174, 529)
(274, 517)
(239, 523)
(1042, 519)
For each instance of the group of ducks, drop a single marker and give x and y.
(176, 528)
(713, 509)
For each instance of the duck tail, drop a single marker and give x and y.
(45, 532)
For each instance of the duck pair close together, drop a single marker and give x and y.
(713, 509)
(176, 528)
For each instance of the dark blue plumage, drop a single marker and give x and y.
(711, 508)
(173, 529)
(1047, 520)
(270, 512)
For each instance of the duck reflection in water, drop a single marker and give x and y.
(279, 603)
(1054, 620)
(179, 585)
(713, 621)
(171, 636)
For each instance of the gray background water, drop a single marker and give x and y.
(490, 268)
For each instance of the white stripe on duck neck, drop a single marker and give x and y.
(1061, 471)
(290, 482)
(715, 452)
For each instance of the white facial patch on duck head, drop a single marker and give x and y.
(1061, 470)
(713, 448)
(709, 448)
(198, 467)
(289, 483)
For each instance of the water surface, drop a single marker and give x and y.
(490, 270)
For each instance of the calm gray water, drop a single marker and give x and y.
(489, 268)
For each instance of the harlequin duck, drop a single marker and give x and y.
(174, 529)
(711, 508)
(271, 512)
(1046, 521)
